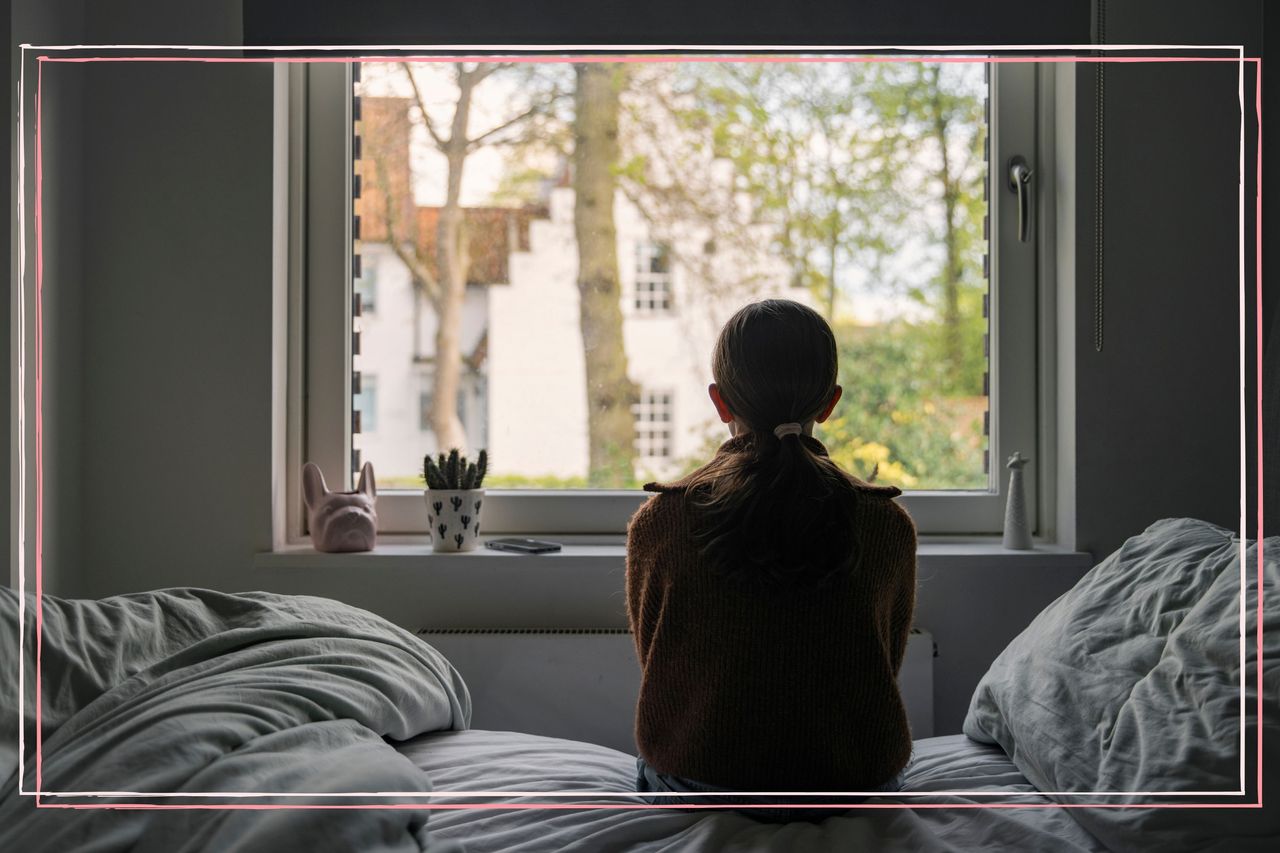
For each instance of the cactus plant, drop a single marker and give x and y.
(454, 471)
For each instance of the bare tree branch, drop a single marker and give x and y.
(535, 109)
(484, 69)
(422, 106)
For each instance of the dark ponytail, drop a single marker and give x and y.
(775, 509)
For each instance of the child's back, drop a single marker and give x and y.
(757, 686)
(770, 593)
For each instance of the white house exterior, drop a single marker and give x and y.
(395, 385)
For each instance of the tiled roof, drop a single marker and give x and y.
(492, 234)
(384, 145)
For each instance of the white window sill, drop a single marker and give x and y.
(404, 552)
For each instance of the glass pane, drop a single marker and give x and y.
(366, 403)
(556, 245)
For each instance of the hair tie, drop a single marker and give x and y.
(787, 429)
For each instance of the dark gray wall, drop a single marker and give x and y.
(1271, 278)
(177, 405)
(863, 22)
(62, 306)
(6, 259)
(65, 212)
(56, 21)
(1158, 412)
(1158, 417)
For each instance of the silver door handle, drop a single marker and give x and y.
(1020, 183)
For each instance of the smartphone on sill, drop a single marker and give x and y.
(523, 546)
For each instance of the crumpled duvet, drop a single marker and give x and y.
(195, 692)
(1131, 682)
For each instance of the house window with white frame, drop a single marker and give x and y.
(366, 287)
(365, 403)
(907, 242)
(653, 419)
(653, 279)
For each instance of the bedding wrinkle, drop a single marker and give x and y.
(280, 694)
(483, 760)
(1149, 640)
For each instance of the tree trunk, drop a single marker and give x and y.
(952, 342)
(610, 393)
(452, 255)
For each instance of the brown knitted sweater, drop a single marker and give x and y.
(758, 689)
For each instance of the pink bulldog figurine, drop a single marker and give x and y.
(340, 521)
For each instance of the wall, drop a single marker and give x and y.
(1271, 293)
(61, 88)
(118, 260)
(1158, 412)
(7, 433)
(177, 405)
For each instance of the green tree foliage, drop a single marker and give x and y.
(873, 174)
(808, 149)
(937, 115)
(892, 416)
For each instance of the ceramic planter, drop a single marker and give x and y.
(453, 516)
(340, 521)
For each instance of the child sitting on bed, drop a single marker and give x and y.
(770, 593)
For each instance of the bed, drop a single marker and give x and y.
(481, 760)
(1128, 682)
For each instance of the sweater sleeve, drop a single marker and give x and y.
(643, 586)
(903, 602)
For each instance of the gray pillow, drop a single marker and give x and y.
(1130, 682)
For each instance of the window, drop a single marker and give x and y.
(653, 279)
(653, 424)
(365, 403)
(912, 255)
(366, 287)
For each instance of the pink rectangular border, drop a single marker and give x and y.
(1256, 61)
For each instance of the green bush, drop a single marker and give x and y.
(896, 411)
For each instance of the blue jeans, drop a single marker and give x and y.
(650, 780)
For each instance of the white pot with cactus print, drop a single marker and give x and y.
(454, 500)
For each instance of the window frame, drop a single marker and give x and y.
(649, 406)
(368, 291)
(319, 251)
(656, 285)
(369, 392)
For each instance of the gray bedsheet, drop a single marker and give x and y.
(478, 760)
(194, 692)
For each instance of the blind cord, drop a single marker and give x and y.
(1099, 96)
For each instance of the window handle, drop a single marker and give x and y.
(1020, 183)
